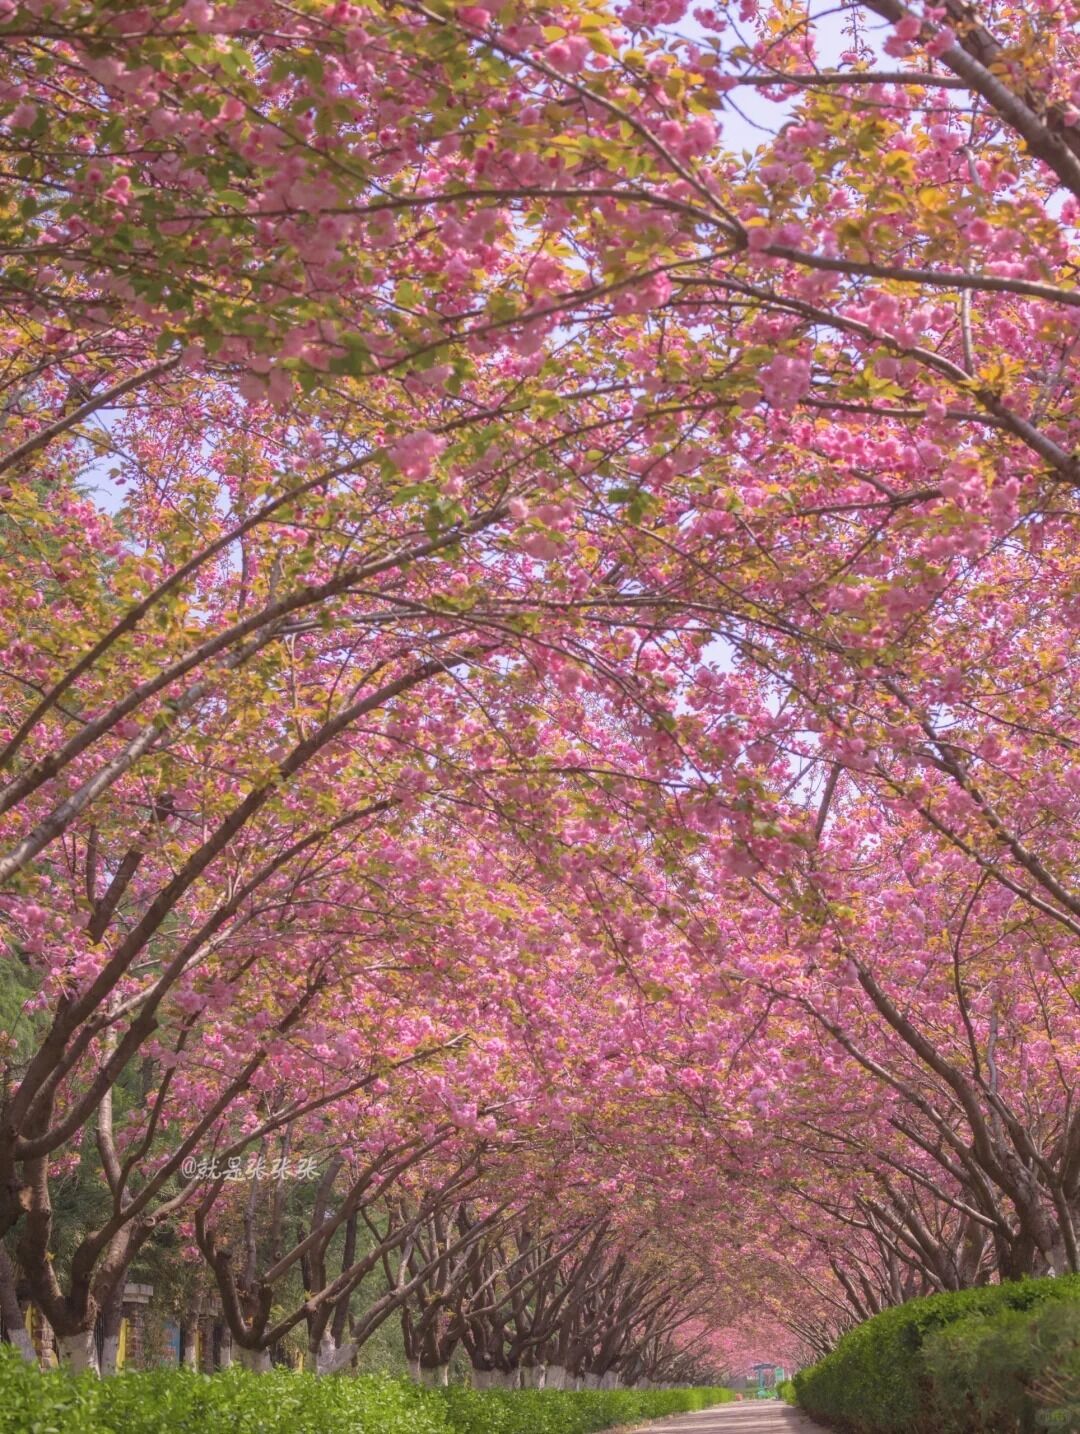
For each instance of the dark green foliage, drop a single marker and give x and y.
(1001, 1359)
(786, 1390)
(281, 1402)
(1019, 1369)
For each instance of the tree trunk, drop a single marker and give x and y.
(78, 1352)
(112, 1318)
(19, 1338)
(326, 1354)
(14, 1320)
(110, 1354)
(344, 1355)
(557, 1377)
(257, 1360)
(206, 1331)
(190, 1335)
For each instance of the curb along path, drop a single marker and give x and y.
(749, 1417)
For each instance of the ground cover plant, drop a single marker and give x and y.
(237, 1402)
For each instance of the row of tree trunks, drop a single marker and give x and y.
(527, 1306)
(536, 1309)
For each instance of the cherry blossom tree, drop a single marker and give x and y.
(558, 572)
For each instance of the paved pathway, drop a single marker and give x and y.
(750, 1417)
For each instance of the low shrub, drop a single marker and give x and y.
(282, 1402)
(551, 1411)
(996, 1358)
(278, 1402)
(33, 1403)
(1016, 1370)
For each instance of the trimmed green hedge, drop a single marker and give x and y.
(553, 1411)
(1001, 1359)
(281, 1402)
(1019, 1369)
